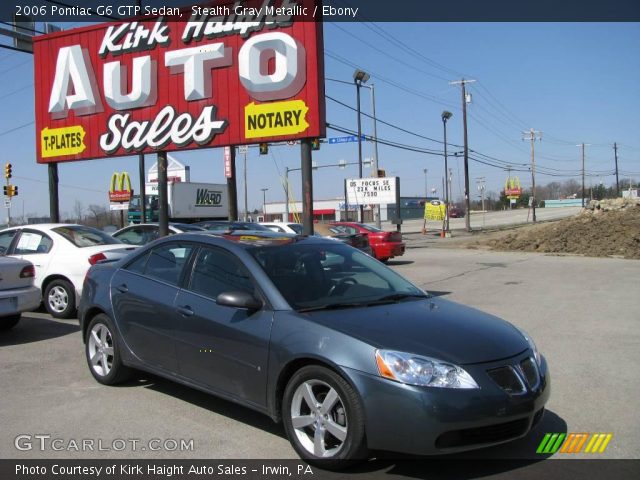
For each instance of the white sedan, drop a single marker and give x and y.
(61, 254)
(283, 227)
(17, 292)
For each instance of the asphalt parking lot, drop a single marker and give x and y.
(582, 312)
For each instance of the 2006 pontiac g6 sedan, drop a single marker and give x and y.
(349, 355)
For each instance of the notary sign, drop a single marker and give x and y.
(371, 191)
(232, 74)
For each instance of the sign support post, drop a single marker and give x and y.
(163, 216)
(232, 188)
(54, 205)
(307, 186)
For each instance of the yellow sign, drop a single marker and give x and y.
(275, 119)
(120, 187)
(434, 210)
(58, 142)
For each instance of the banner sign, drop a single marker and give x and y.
(512, 188)
(120, 187)
(204, 77)
(434, 210)
(371, 191)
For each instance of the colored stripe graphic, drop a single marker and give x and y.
(573, 443)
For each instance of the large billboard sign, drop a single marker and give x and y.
(209, 76)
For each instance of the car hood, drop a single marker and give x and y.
(433, 327)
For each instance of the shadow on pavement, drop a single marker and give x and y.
(34, 329)
(209, 402)
(394, 263)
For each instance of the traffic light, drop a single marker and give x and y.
(315, 144)
(6, 191)
(14, 191)
(264, 148)
(7, 170)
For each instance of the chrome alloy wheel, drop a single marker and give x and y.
(319, 418)
(58, 299)
(101, 349)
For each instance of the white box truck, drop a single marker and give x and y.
(188, 202)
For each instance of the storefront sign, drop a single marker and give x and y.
(163, 84)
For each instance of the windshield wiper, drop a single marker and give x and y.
(330, 306)
(396, 297)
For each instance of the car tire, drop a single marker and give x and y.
(7, 323)
(102, 351)
(385, 259)
(60, 299)
(341, 438)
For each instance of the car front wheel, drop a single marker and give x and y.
(60, 299)
(102, 351)
(323, 418)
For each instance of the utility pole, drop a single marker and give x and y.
(426, 185)
(463, 83)
(246, 211)
(375, 150)
(615, 150)
(533, 135)
(264, 203)
(582, 145)
(286, 193)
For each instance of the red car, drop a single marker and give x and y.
(385, 245)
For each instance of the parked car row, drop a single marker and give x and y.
(62, 253)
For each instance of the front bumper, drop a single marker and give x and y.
(431, 421)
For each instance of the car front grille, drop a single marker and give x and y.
(530, 371)
(507, 379)
(489, 434)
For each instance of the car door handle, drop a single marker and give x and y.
(122, 288)
(185, 310)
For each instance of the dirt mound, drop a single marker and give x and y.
(605, 228)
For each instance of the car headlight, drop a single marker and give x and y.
(422, 371)
(532, 345)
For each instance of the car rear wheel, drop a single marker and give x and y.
(323, 418)
(60, 299)
(7, 323)
(103, 352)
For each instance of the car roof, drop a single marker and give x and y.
(48, 226)
(251, 238)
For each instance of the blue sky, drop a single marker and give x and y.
(575, 82)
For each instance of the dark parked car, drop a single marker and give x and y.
(343, 234)
(385, 245)
(314, 333)
(143, 233)
(227, 226)
(456, 212)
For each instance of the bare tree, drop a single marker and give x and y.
(78, 208)
(99, 215)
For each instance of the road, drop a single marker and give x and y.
(581, 311)
(489, 220)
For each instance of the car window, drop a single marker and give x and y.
(275, 228)
(216, 271)
(370, 228)
(132, 236)
(5, 240)
(166, 262)
(312, 276)
(33, 242)
(85, 236)
(296, 227)
(347, 229)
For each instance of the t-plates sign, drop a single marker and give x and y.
(208, 78)
(372, 191)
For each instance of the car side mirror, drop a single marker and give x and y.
(239, 299)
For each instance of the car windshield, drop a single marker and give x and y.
(85, 236)
(331, 275)
(370, 228)
(296, 227)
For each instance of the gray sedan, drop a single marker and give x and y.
(349, 355)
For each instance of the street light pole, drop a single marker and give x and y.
(446, 116)
(360, 77)
(264, 202)
(426, 185)
(375, 150)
